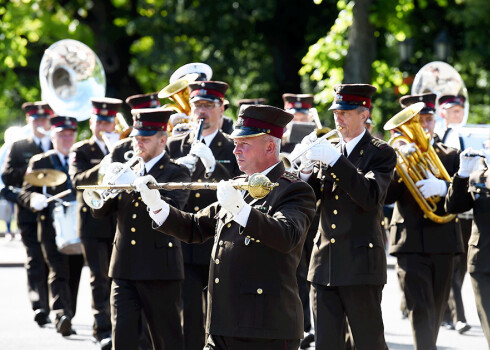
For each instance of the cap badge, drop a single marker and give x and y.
(338, 98)
(202, 92)
(40, 111)
(153, 103)
(138, 124)
(297, 105)
(239, 122)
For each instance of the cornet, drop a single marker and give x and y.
(294, 156)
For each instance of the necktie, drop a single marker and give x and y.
(40, 146)
(66, 161)
(202, 140)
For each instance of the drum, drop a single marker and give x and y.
(65, 221)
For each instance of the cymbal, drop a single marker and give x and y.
(45, 177)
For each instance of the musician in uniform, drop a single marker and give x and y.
(471, 190)
(299, 106)
(146, 267)
(424, 249)
(64, 269)
(96, 235)
(212, 157)
(451, 109)
(253, 300)
(14, 168)
(348, 262)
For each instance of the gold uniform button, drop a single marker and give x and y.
(332, 240)
(362, 152)
(43, 217)
(161, 167)
(196, 208)
(216, 280)
(198, 195)
(84, 209)
(133, 229)
(170, 244)
(259, 291)
(136, 204)
(199, 180)
(371, 245)
(456, 220)
(139, 198)
(134, 216)
(335, 212)
(258, 241)
(220, 243)
(228, 225)
(333, 226)
(217, 261)
(336, 197)
(133, 242)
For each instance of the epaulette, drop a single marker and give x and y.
(379, 143)
(290, 177)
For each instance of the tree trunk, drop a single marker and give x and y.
(362, 46)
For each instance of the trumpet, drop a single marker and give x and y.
(258, 185)
(291, 159)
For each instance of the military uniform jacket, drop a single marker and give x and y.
(410, 231)
(252, 288)
(139, 252)
(349, 247)
(47, 160)
(120, 149)
(226, 168)
(463, 195)
(14, 170)
(84, 170)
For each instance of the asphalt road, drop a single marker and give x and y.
(18, 331)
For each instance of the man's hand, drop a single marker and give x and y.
(202, 151)
(309, 139)
(38, 201)
(467, 163)
(151, 198)
(229, 197)
(407, 149)
(432, 186)
(189, 161)
(324, 152)
(178, 118)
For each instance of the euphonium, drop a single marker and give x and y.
(415, 166)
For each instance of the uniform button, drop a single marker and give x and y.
(196, 208)
(425, 216)
(228, 225)
(216, 280)
(136, 204)
(170, 244)
(333, 226)
(133, 229)
(134, 216)
(258, 241)
(259, 291)
(139, 198)
(199, 180)
(456, 220)
(220, 243)
(43, 217)
(332, 240)
(332, 174)
(336, 197)
(217, 261)
(198, 195)
(370, 245)
(335, 212)
(133, 242)
(84, 209)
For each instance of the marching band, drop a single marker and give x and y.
(201, 234)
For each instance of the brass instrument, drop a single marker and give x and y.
(415, 166)
(258, 186)
(71, 74)
(291, 159)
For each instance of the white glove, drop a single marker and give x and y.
(324, 152)
(38, 201)
(298, 149)
(407, 149)
(309, 139)
(152, 197)
(189, 161)
(178, 118)
(467, 164)
(229, 197)
(202, 151)
(432, 186)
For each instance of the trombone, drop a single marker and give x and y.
(258, 185)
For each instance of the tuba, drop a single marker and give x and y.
(415, 166)
(70, 74)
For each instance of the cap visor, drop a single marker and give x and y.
(203, 98)
(137, 132)
(61, 128)
(245, 132)
(297, 110)
(342, 107)
(104, 118)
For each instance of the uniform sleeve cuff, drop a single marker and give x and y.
(242, 217)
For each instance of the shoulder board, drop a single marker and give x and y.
(290, 177)
(379, 143)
